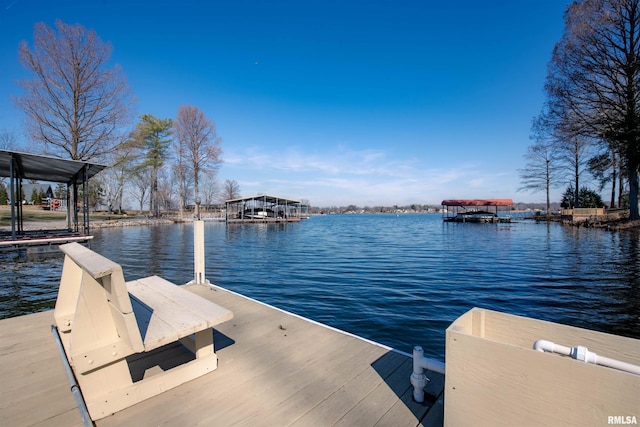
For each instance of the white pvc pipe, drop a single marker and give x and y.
(548, 346)
(583, 354)
(418, 378)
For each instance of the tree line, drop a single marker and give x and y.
(163, 161)
(590, 122)
(77, 107)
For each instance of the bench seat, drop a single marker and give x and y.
(118, 337)
(166, 313)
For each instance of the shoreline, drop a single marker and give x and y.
(608, 224)
(61, 224)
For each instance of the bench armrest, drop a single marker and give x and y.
(95, 264)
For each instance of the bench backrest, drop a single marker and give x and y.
(93, 310)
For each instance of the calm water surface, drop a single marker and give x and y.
(398, 280)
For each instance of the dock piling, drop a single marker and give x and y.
(198, 252)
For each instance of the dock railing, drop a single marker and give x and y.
(586, 212)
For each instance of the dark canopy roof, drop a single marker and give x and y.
(477, 202)
(264, 198)
(44, 168)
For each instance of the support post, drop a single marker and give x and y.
(85, 201)
(12, 198)
(198, 252)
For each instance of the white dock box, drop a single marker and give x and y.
(494, 377)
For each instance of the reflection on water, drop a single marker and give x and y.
(28, 283)
(399, 280)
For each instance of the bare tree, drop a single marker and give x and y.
(593, 82)
(541, 170)
(166, 189)
(8, 140)
(201, 145)
(114, 177)
(231, 190)
(605, 168)
(75, 105)
(140, 181)
(574, 152)
(180, 174)
(210, 190)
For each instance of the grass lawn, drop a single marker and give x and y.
(32, 213)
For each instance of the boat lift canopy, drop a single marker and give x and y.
(235, 208)
(453, 207)
(18, 166)
(477, 202)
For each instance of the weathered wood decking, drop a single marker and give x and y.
(274, 369)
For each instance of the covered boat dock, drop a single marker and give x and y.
(477, 210)
(263, 208)
(75, 174)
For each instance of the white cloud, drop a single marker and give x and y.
(342, 175)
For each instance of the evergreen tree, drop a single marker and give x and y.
(152, 137)
(4, 195)
(35, 197)
(585, 198)
(60, 191)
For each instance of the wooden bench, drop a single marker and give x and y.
(125, 341)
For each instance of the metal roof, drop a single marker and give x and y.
(45, 168)
(265, 198)
(477, 202)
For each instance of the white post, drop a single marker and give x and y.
(198, 252)
(418, 378)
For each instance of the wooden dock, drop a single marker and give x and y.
(275, 368)
(40, 243)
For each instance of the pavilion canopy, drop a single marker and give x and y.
(45, 168)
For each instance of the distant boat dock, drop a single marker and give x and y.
(40, 240)
(264, 209)
(476, 210)
(74, 174)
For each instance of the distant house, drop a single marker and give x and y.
(28, 189)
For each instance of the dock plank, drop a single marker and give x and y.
(297, 386)
(311, 389)
(340, 402)
(372, 407)
(34, 388)
(407, 408)
(274, 368)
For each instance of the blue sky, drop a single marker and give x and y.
(337, 102)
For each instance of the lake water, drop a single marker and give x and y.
(396, 279)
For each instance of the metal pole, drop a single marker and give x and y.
(20, 206)
(12, 199)
(75, 390)
(68, 200)
(85, 204)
